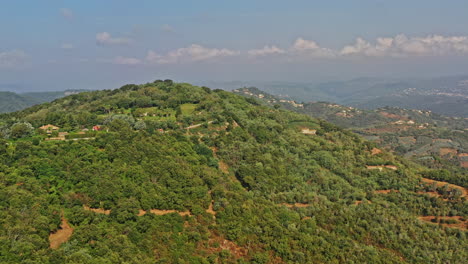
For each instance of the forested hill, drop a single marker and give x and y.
(433, 140)
(172, 173)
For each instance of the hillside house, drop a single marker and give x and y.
(308, 131)
(97, 128)
(49, 128)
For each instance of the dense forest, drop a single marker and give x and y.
(433, 140)
(168, 172)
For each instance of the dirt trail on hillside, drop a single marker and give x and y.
(97, 210)
(221, 164)
(442, 184)
(62, 235)
(386, 191)
(298, 205)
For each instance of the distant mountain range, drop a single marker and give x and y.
(10, 102)
(443, 95)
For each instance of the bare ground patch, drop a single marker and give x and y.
(386, 191)
(298, 205)
(97, 210)
(165, 212)
(376, 151)
(62, 235)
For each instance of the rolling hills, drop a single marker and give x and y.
(175, 173)
(443, 95)
(10, 102)
(434, 140)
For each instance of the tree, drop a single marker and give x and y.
(21, 129)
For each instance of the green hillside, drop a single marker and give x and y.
(10, 102)
(181, 174)
(433, 140)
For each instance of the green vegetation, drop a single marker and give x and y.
(228, 180)
(432, 140)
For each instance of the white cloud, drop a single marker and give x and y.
(126, 61)
(66, 13)
(67, 46)
(167, 28)
(267, 50)
(153, 57)
(192, 53)
(310, 48)
(403, 46)
(12, 59)
(104, 39)
(303, 50)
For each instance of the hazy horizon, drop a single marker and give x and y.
(59, 45)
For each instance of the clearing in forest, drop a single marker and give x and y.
(386, 191)
(97, 210)
(376, 151)
(298, 205)
(380, 168)
(62, 235)
(360, 202)
(165, 212)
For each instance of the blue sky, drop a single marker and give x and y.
(56, 45)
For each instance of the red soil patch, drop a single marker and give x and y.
(462, 223)
(97, 210)
(360, 202)
(442, 184)
(298, 205)
(463, 155)
(448, 151)
(141, 212)
(464, 164)
(376, 151)
(62, 235)
(386, 191)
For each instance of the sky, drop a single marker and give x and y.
(89, 44)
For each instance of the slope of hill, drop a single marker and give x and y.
(181, 174)
(430, 139)
(10, 102)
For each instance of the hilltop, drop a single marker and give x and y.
(173, 173)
